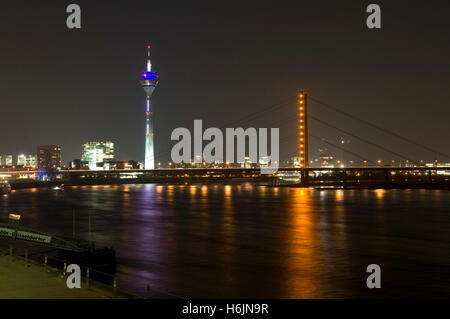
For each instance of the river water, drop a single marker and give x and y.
(247, 241)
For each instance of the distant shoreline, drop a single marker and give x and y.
(17, 185)
(47, 184)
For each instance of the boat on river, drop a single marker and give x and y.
(59, 188)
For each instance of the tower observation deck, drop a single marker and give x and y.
(149, 81)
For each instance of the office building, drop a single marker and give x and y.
(26, 160)
(6, 160)
(49, 157)
(95, 153)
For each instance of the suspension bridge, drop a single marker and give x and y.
(308, 167)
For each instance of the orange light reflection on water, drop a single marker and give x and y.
(303, 263)
(228, 214)
(379, 193)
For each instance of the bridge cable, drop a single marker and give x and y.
(249, 117)
(378, 127)
(355, 136)
(346, 132)
(285, 139)
(360, 138)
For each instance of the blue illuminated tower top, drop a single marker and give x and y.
(149, 79)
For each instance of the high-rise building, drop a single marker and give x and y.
(26, 160)
(97, 152)
(9, 160)
(21, 160)
(247, 162)
(6, 160)
(264, 161)
(149, 81)
(49, 157)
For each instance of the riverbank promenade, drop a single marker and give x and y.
(34, 282)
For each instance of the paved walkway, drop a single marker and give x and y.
(18, 281)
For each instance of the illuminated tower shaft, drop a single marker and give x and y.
(149, 152)
(149, 81)
(303, 128)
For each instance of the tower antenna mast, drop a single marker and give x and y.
(149, 63)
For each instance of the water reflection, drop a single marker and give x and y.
(339, 195)
(303, 262)
(255, 241)
(227, 214)
(379, 193)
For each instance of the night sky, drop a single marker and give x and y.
(222, 61)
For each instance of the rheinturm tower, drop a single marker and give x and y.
(149, 81)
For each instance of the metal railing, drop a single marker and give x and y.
(101, 282)
(105, 284)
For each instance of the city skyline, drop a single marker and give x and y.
(201, 64)
(224, 154)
